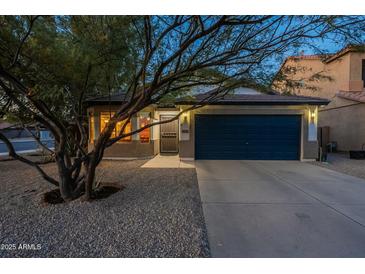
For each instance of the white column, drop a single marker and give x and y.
(96, 124)
(135, 125)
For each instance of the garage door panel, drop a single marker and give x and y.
(251, 137)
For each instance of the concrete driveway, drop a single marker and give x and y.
(281, 209)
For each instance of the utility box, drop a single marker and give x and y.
(323, 141)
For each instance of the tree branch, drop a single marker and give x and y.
(16, 156)
(22, 41)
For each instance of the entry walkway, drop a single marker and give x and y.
(168, 161)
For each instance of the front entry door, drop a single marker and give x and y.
(169, 135)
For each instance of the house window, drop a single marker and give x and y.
(127, 129)
(105, 118)
(92, 128)
(144, 135)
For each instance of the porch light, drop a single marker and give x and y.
(312, 125)
(312, 115)
(145, 115)
(184, 127)
(185, 117)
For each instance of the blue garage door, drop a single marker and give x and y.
(247, 137)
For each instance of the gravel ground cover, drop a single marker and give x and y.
(157, 214)
(341, 162)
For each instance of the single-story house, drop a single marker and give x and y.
(242, 125)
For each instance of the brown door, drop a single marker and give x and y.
(169, 135)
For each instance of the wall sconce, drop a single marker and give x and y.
(312, 126)
(312, 115)
(145, 115)
(185, 132)
(185, 117)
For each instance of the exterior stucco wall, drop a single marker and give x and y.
(134, 149)
(356, 81)
(309, 149)
(346, 121)
(304, 69)
(344, 71)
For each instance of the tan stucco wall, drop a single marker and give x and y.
(338, 71)
(356, 83)
(346, 121)
(345, 74)
(133, 149)
(309, 149)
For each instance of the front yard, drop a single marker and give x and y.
(157, 214)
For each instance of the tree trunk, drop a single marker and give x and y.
(65, 189)
(89, 177)
(66, 183)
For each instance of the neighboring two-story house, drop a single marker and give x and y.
(339, 77)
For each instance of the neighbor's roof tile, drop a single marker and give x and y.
(358, 96)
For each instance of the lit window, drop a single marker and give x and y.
(92, 128)
(144, 135)
(104, 119)
(127, 129)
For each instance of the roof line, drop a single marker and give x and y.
(329, 57)
(343, 51)
(357, 96)
(314, 102)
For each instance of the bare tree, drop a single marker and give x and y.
(172, 55)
